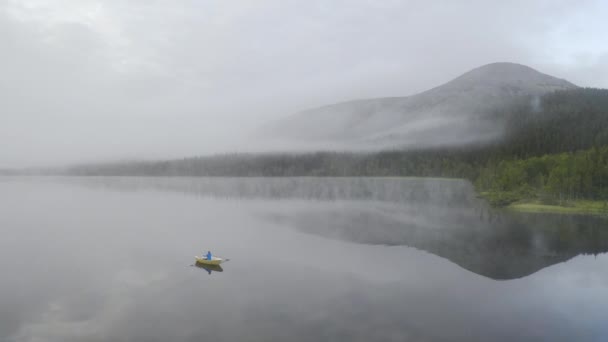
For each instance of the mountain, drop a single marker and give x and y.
(454, 113)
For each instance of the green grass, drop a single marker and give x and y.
(570, 207)
(529, 202)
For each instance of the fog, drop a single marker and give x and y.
(105, 80)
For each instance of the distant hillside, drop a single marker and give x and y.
(456, 113)
(555, 145)
(563, 121)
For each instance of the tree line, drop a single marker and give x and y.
(551, 178)
(555, 145)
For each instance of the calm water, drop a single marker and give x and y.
(377, 259)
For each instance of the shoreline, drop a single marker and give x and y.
(531, 204)
(578, 207)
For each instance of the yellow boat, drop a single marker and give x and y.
(214, 260)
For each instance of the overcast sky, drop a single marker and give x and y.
(84, 80)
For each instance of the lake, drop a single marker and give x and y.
(311, 259)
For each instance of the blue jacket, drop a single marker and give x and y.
(209, 256)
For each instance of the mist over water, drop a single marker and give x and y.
(96, 259)
(441, 216)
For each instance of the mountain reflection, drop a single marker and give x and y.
(507, 246)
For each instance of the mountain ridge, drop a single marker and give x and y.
(456, 111)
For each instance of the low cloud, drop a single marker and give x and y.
(93, 80)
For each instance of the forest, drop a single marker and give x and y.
(554, 148)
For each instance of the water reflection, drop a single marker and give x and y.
(331, 277)
(444, 192)
(209, 268)
(440, 216)
(509, 246)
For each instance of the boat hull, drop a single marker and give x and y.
(205, 261)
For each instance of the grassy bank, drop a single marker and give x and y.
(515, 201)
(529, 202)
(570, 207)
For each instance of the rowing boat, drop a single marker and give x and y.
(205, 261)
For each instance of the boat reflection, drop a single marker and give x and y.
(209, 268)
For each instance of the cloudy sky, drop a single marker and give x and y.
(85, 80)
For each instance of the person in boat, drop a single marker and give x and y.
(209, 256)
